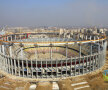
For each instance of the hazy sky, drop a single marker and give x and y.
(54, 12)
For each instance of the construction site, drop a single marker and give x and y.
(53, 61)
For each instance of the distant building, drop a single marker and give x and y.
(2, 32)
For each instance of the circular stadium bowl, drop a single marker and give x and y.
(26, 55)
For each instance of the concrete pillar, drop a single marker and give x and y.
(3, 58)
(98, 54)
(3, 48)
(93, 62)
(67, 51)
(61, 68)
(46, 69)
(101, 55)
(105, 45)
(2, 63)
(75, 66)
(79, 50)
(56, 69)
(51, 52)
(86, 37)
(66, 67)
(22, 60)
(87, 64)
(15, 37)
(27, 66)
(94, 38)
(0, 48)
(41, 69)
(83, 64)
(51, 69)
(8, 64)
(22, 68)
(79, 57)
(20, 37)
(36, 48)
(97, 61)
(91, 48)
(11, 65)
(7, 38)
(36, 69)
(21, 53)
(19, 67)
(11, 38)
(71, 67)
(15, 65)
(31, 68)
(103, 52)
(90, 54)
(35, 53)
(10, 51)
(90, 37)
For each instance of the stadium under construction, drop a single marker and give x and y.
(51, 55)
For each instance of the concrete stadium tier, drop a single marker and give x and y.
(25, 55)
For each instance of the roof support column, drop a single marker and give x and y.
(11, 66)
(22, 68)
(10, 51)
(11, 38)
(15, 36)
(75, 67)
(66, 50)
(8, 64)
(71, 67)
(27, 66)
(46, 69)
(103, 51)
(31, 68)
(15, 65)
(51, 51)
(86, 37)
(19, 67)
(0, 48)
(21, 45)
(3, 49)
(20, 36)
(91, 58)
(98, 54)
(66, 67)
(79, 57)
(56, 68)
(7, 38)
(87, 64)
(36, 47)
(61, 67)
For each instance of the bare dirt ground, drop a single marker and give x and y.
(9, 84)
(47, 56)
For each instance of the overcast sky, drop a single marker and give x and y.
(54, 12)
